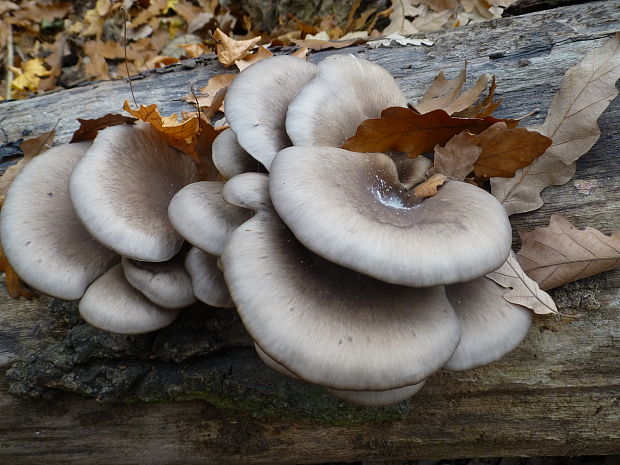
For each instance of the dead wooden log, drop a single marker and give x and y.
(195, 392)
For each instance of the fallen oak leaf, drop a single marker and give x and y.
(429, 187)
(585, 93)
(483, 108)
(255, 57)
(14, 285)
(457, 158)
(180, 135)
(561, 253)
(301, 52)
(214, 85)
(89, 127)
(441, 92)
(316, 44)
(229, 50)
(506, 150)
(523, 290)
(403, 130)
(29, 75)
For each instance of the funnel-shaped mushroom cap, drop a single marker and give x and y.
(165, 283)
(42, 237)
(327, 324)
(491, 325)
(229, 157)
(248, 190)
(122, 187)
(112, 304)
(368, 398)
(347, 91)
(202, 216)
(377, 398)
(207, 279)
(257, 100)
(351, 209)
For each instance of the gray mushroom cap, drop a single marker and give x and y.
(229, 157)
(42, 237)
(112, 304)
(122, 187)
(166, 284)
(257, 101)
(207, 279)
(202, 216)
(346, 91)
(248, 190)
(351, 209)
(368, 398)
(491, 325)
(327, 324)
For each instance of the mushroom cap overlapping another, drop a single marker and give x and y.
(90, 221)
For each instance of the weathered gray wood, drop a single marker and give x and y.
(557, 394)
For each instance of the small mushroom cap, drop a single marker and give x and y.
(257, 100)
(248, 190)
(166, 284)
(329, 325)
(202, 216)
(491, 325)
(351, 209)
(229, 157)
(347, 91)
(207, 280)
(122, 187)
(42, 237)
(368, 398)
(114, 305)
(377, 398)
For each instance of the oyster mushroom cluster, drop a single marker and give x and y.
(342, 277)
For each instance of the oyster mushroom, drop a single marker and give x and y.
(207, 279)
(122, 187)
(229, 157)
(42, 236)
(351, 209)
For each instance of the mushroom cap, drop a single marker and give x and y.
(411, 171)
(248, 190)
(329, 325)
(346, 91)
(166, 284)
(122, 187)
(42, 237)
(368, 398)
(351, 209)
(229, 157)
(257, 100)
(491, 325)
(114, 305)
(377, 398)
(202, 216)
(207, 280)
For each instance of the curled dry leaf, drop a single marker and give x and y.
(561, 253)
(229, 50)
(585, 93)
(301, 52)
(180, 135)
(403, 130)
(506, 150)
(457, 158)
(214, 85)
(255, 57)
(523, 290)
(429, 187)
(482, 108)
(89, 127)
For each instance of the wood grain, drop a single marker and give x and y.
(557, 394)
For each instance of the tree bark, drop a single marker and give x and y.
(196, 393)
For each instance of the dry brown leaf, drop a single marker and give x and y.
(29, 75)
(560, 253)
(195, 50)
(456, 159)
(429, 187)
(523, 290)
(210, 91)
(38, 11)
(89, 127)
(521, 193)
(229, 50)
(586, 92)
(161, 61)
(301, 52)
(403, 130)
(483, 108)
(505, 150)
(314, 44)
(255, 57)
(401, 9)
(54, 61)
(204, 142)
(180, 135)
(14, 285)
